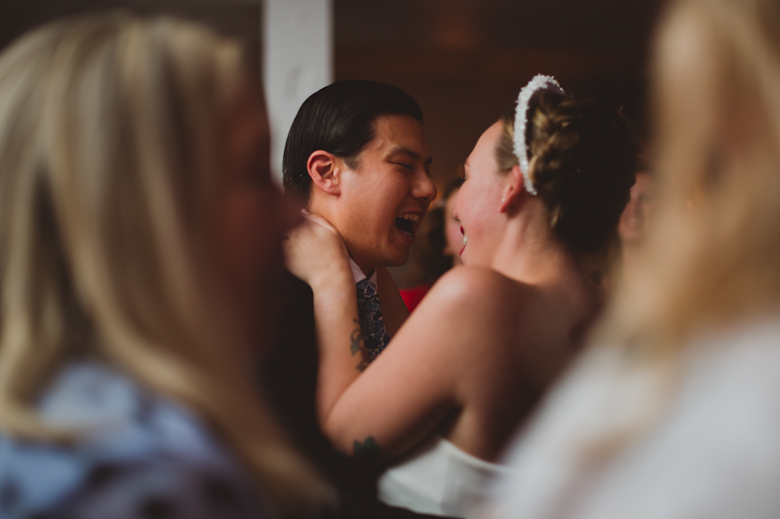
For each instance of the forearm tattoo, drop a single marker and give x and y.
(358, 345)
(367, 450)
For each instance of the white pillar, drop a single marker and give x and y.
(297, 61)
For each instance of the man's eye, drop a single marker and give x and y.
(407, 166)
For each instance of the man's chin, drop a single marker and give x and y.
(395, 257)
(398, 260)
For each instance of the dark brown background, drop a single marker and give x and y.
(463, 60)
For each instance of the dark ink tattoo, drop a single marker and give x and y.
(358, 344)
(356, 340)
(368, 450)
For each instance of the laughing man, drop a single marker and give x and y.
(356, 156)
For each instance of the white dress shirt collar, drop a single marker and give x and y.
(358, 273)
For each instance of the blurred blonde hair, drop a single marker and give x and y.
(109, 132)
(713, 255)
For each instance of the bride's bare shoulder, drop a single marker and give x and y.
(478, 280)
(477, 289)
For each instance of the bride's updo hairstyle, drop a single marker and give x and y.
(582, 160)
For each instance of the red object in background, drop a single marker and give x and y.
(413, 296)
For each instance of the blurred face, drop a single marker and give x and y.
(634, 219)
(252, 215)
(383, 200)
(478, 199)
(452, 234)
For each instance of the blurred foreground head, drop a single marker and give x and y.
(713, 254)
(137, 222)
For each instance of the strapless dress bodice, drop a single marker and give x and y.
(438, 478)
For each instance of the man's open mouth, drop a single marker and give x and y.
(407, 222)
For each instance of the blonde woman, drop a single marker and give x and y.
(467, 366)
(139, 231)
(675, 414)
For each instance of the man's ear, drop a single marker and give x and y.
(513, 189)
(324, 171)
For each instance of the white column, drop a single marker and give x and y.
(297, 61)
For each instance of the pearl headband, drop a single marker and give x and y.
(539, 82)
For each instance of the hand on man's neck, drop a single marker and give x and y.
(325, 206)
(393, 308)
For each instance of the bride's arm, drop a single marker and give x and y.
(316, 254)
(424, 376)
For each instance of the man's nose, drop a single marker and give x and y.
(424, 188)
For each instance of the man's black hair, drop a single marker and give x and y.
(339, 119)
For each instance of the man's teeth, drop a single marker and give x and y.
(407, 222)
(414, 218)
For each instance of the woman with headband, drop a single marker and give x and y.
(544, 188)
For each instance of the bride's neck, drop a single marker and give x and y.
(530, 253)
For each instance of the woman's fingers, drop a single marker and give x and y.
(314, 250)
(319, 220)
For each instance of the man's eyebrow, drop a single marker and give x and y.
(406, 151)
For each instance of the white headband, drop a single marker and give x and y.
(539, 82)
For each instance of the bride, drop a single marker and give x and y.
(466, 368)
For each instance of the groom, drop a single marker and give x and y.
(356, 156)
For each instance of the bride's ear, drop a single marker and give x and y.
(513, 189)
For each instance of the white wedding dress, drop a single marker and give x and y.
(438, 478)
